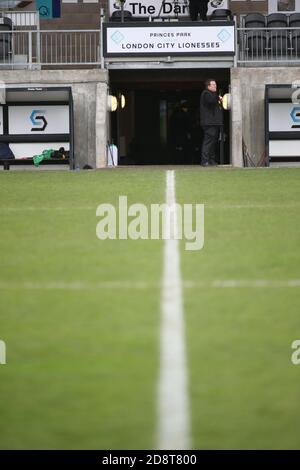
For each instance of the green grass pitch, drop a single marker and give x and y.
(83, 358)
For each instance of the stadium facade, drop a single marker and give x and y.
(156, 58)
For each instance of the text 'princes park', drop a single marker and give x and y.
(171, 45)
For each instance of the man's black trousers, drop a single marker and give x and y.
(198, 7)
(209, 143)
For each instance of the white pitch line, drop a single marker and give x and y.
(252, 206)
(78, 285)
(45, 208)
(241, 283)
(173, 408)
(118, 284)
(220, 206)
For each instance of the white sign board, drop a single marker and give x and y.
(169, 39)
(284, 148)
(1, 120)
(161, 8)
(284, 117)
(38, 119)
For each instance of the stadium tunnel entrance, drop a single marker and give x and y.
(150, 129)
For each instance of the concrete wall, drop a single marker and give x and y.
(89, 89)
(248, 91)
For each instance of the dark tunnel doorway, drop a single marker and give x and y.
(160, 124)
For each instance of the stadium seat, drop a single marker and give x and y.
(278, 40)
(116, 15)
(295, 43)
(279, 43)
(294, 20)
(254, 20)
(256, 43)
(295, 35)
(221, 14)
(277, 20)
(5, 38)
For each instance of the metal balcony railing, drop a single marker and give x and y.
(22, 19)
(26, 47)
(35, 49)
(268, 46)
(5, 4)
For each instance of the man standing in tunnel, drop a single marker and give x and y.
(180, 132)
(211, 120)
(198, 7)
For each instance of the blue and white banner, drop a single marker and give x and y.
(169, 39)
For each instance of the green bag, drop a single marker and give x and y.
(45, 155)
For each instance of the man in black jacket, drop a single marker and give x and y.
(211, 118)
(198, 7)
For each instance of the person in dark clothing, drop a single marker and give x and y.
(211, 118)
(180, 133)
(5, 151)
(198, 7)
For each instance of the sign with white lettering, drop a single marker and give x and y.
(162, 8)
(164, 39)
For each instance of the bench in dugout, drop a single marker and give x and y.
(58, 157)
(36, 127)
